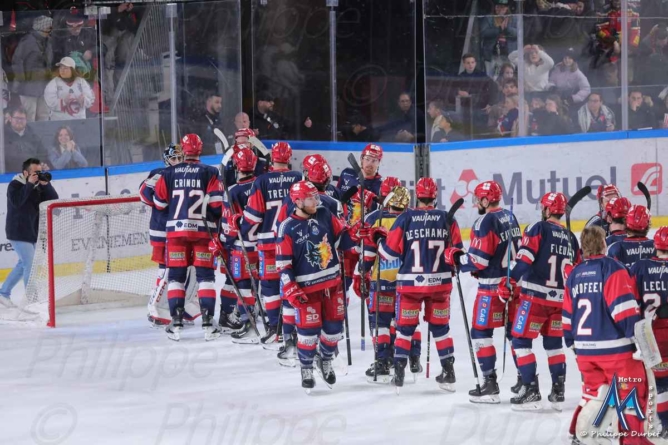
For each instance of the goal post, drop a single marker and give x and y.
(91, 253)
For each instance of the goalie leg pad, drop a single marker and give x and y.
(585, 430)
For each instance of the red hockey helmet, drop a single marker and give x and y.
(302, 190)
(638, 218)
(244, 133)
(426, 188)
(236, 148)
(191, 145)
(488, 189)
(318, 172)
(607, 191)
(555, 202)
(311, 159)
(245, 160)
(388, 185)
(661, 238)
(374, 151)
(281, 152)
(618, 207)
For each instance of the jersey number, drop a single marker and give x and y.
(652, 301)
(439, 245)
(513, 254)
(586, 304)
(274, 205)
(552, 261)
(195, 209)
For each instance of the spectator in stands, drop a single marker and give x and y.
(20, 142)
(25, 193)
(537, 103)
(497, 111)
(77, 42)
(445, 131)
(661, 110)
(641, 110)
(474, 84)
(402, 124)
(610, 86)
(552, 119)
(5, 90)
(65, 152)
(537, 66)
(359, 129)
(204, 120)
(270, 124)
(509, 122)
(568, 81)
(594, 116)
(498, 33)
(68, 95)
(506, 72)
(652, 69)
(435, 111)
(32, 64)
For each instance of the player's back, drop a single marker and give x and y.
(239, 195)
(597, 221)
(158, 218)
(617, 235)
(651, 277)
(630, 250)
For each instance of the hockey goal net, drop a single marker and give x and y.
(91, 253)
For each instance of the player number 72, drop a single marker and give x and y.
(195, 209)
(439, 245)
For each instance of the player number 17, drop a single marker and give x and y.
(439, 245)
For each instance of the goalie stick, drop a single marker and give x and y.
(360, 176)
(229, 152)
(643, 189)
(646, 342)
(579, 195)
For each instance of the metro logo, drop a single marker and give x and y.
(649, 174)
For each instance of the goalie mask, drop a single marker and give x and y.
(172, 153)
(400, 198)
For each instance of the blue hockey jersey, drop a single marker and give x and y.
(418, 239)
(156, 232)
(651, 279)
(596, 220)
(600, 310)
(230, 172)
(239, 195)
(630, 250)
(333, 192)
(348, 178)
(617, 235)
(544, 253)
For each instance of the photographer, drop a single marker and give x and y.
(24, 194)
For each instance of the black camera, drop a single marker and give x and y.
(44, 176)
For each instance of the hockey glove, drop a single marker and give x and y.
(508, 289)
(452, 255)
(216, 248)
(357, 284)
(295, 295)
(234, 223)
(356, 232)
(372, 235)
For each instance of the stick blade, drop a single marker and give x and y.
(453, 210)
(352, 160)
(643, 189)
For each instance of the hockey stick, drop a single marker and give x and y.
(448, 222)
(348, 194)
(345, 309)
(510, 288)
(360, 176)
(643, 189)
(376, 295)
(219, 134)
(579, 195)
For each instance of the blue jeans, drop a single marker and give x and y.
(26, 252)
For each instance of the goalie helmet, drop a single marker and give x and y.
(373, 151)
(555, 203)
(173, 151)
(302, 190)
(245, 160)
(388, 185)
(638, 219)
(400, 199)
(191, 145)
(281, 152)
(618, 207)
(661, 239)
(488, 189)
(426, 188)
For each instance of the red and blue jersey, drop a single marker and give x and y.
(596, 220)
(306, 250)
(333, 192)
(617, 235)
(487, 256)
(600, 310)
(230, 172)
(418, 239)
(651, 279)
(348, 178)
(544, 253)
(388, 269)
(630, 250)
(158, 221)
(182, 191)
(239, 194)
(326, 201)
(264, 204)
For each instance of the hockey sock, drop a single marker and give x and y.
(556, 358)
(512, 351)
(176, 296)
(485, 351)
(272, 300)
(207, 296)
(307, 342)
(393, 334)
(329, 337)
(416, 343)
(526, 360)
(227, 301)
(402, 344)
(662, 399)
(288, 319)
(444, 344)
(384, 329)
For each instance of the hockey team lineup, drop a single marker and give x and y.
(365, 283)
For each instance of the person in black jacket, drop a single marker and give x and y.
(270, 124)
(641, 114)
(20, 142)
(24, 195)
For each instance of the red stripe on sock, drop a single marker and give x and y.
(487, 351)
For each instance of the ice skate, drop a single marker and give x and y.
(516, 387)
(272, 339)
(556, 397)
(229, 323)
(488, 393)
(399, 374)
(7, 303)
(340, 362)
(246, 335)
(383, 375)
(308, 382)
(287, 356)
(528, 399)
(325, 370)
(415, 366)
(446, 379)
(174, 328)
(211, 331)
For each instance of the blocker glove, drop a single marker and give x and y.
(452, 255)
(295, 295)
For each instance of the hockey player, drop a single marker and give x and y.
(487, 258)
(615, 214)
(182, 191)
(329, 188)
(311, 280)
(417, 240)
(636, 245)
(598, 319)
(604, 194)
(245, 162)
(370, 161)
(544, 253)
(650, 278)
(240, 141)
(265, 200)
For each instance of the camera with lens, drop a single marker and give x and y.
(44, 176)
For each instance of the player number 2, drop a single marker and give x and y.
(195, 209)
(439, 245)
(586, 304)
(651, 302)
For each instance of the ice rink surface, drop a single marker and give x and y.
(106, 377)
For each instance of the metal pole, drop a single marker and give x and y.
(171, 15)
(2, 130)
(332, 4)
(520, 67)
(100, 13)
(625, 65)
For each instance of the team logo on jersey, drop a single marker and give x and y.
(465, 185)
(319, 255)
(649, 174)
(612, 400)
(354, 212)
